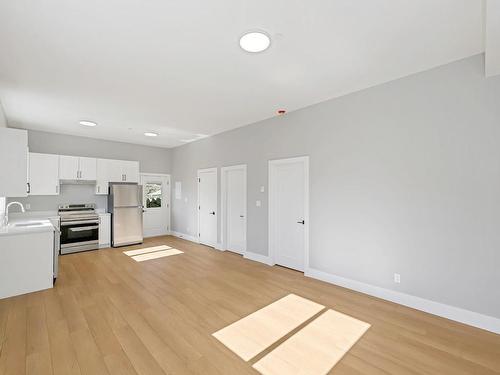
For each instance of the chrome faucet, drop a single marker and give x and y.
(6, 218)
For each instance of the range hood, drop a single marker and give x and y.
(77, 182)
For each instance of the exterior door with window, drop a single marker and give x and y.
(156, 202)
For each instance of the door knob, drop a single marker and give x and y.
(301, 222)
(212, 213)
(242, 216)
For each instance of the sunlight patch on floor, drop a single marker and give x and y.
(314, 350)
(156, 255)
(146, 250)
(254, 333)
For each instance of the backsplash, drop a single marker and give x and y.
(73, 194)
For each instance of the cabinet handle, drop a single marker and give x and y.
(29, 187)
(125, 177)
(98, 188)
(57, 189)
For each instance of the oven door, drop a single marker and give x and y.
(79, 236)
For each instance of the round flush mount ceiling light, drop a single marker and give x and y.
(151, 134)
(255, 41)
(88, 123)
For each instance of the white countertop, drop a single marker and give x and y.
(16, 226)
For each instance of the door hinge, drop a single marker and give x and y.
(199, 208)
(199, 179)
(199, 235)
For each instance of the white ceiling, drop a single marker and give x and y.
(175, 67)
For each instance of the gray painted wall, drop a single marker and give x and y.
(152, 160)
(404, 177)
(3, 120)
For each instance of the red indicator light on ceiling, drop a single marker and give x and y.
(281, 111)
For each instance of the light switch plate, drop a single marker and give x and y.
(258, 203)
(262, 189)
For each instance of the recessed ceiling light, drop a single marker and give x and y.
(151, 134)
(255, 41)
(88, 123)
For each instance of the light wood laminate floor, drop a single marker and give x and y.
(111, 315)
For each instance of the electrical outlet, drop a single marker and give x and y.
(27, 206)
(258, 203)
(397, 278)
(262, 189)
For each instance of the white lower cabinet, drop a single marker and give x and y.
(104, 230)
(43, 174)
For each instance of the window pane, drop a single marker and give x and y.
(153, 194)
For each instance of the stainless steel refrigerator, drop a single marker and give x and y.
(125, 206)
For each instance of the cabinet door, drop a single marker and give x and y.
(43, 174)
(13, 162)
(88, 168)
(116, 172)
(69, 167)
(130, 171)
(104, 171)
(104, 230)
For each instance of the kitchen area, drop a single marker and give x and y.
(52, 205)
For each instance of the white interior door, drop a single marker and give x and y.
(156, 204)
(235, 216)
(207, 206)
(288, 211)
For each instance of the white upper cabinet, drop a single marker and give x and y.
(104, 172)
(69, 167)
(43, 174)
(77, 168)
(130, 171)
(88, 168)
(115, 171)
(13, 162)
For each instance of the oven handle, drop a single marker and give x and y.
(81, 229)
(66, 223)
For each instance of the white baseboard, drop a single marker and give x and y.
(258, 258)
(457, 314)
(218, 246)
(184, 236)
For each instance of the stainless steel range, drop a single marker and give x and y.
(79, 227)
